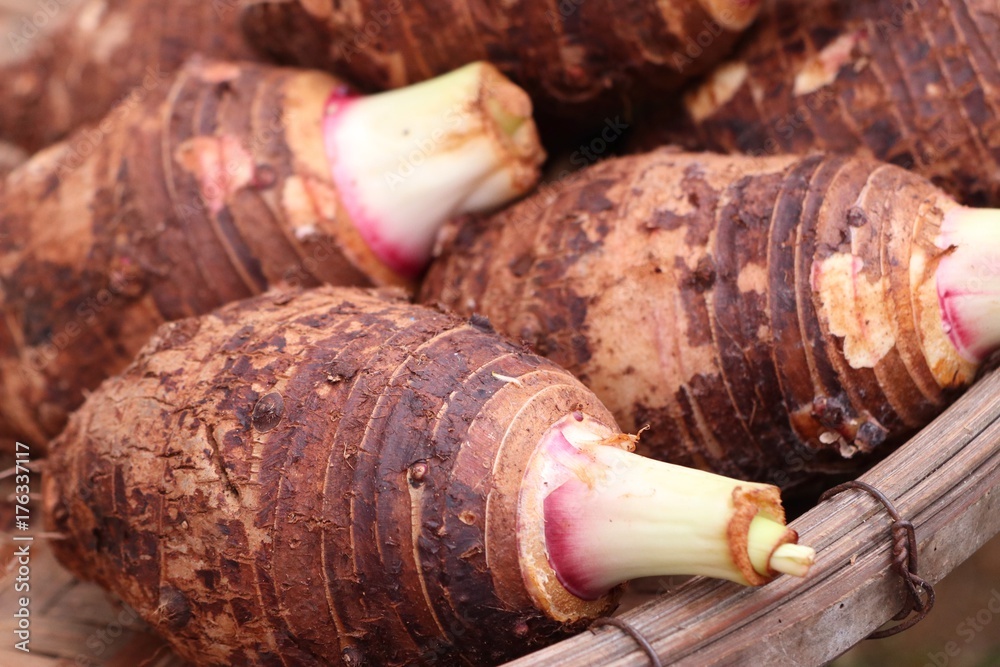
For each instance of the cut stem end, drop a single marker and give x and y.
(793, 559)
(968, 281)
(407, 160)
(614, 516)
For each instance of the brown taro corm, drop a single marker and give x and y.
(102, 54)
(912, 83)
(341, 477)
(229, 178)
(574, 58)
(769, 318)
(247, 486)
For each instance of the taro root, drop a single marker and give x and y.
(769, 318)
(233, 177)
(339, 477)
(575, 58)
(102, 54)
(911, 83)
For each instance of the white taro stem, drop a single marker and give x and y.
(613, 516)
(968, 281)
(407, 160)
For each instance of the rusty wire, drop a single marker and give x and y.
(904, 561)
(622, 625)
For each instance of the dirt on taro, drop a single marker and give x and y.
(962, 631)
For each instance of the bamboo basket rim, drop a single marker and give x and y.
(945, 480)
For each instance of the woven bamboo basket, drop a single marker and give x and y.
(946, 481)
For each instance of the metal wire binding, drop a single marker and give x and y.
(904, 561)
(654, 659)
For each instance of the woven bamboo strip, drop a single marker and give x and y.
(946, 480)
